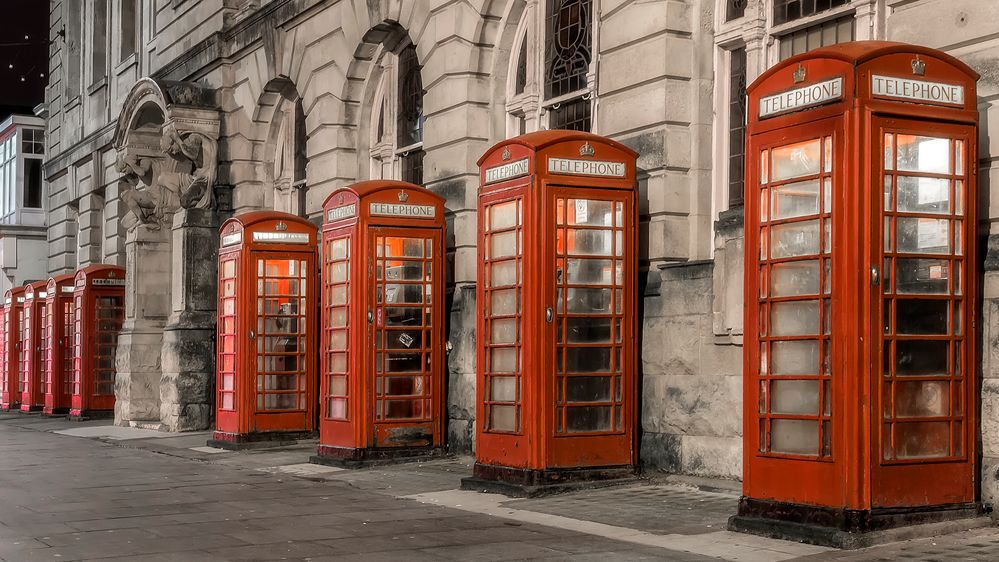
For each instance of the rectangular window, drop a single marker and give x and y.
(33, 183)
(839, 30)
(98, 41)
(72, 19)
(129, 29)
(735, 9)
(736, 126)
(33, 141)
(790, 10)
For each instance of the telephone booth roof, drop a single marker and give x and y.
(13, 292)
(285, 224)
(539, 140)
(64, 279)
(99, 271)
(409, 197)
(33, 288)
(888, 74)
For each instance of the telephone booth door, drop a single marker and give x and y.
(35, 318)
(10, 398)
(557, 345)
(383, 321)
(859, 353)
(266, 339)
(57, 344)
(98, 315)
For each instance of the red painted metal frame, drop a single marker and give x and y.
(854, 477)
(10, 385)
(358, 434)
(58, 348)
(32, 392)
(537, 447)
(244, 421)
(96, 289)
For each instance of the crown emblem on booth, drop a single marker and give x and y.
(918, 66)
(403, 196)
(799, 74)
(281, 226)
(506, 153)
(587, 149)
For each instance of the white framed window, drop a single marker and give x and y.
(98, 41)
(8, 178)
(128, 28)
(398, 121)
(552, 74)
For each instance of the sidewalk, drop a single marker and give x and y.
(665, 520)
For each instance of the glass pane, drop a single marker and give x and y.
(503, 215)
(402, 270)
(790, 279)
(589, 212)
(915, 357)
(503, 418)
(923, 154)
(503, 331)
(403, 247)
(503, 360)
(503, 273)
(503, 389)
(590, 271)
(401, 316)
(799, 357)
(799, 437)
(926, 276)
(795, 318)
(795, 199)
(503, 245)
(795, 239)
(585, 242)
(586, 301)
(796, 160)
(338, 363)
(588, 418)
(919, 316)
(503, 302)
(587, 330)
(922, 398)
(587, 389)
(922, 440)
(889, 151)
(402, 362)
(794, 397)
(404, 294)
(587, 359)
(923, 236)
(339, 249)
(923, 195)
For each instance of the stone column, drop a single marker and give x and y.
(91, 234)
(147, 303)
(188, 352)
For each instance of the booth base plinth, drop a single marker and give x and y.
(852, 528)
(10, 407)
(349, 457)
(532, 483)
(55, 412)
(261, 440)
(87, 415)
(33, 409)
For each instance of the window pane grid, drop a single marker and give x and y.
(110, 316)
(77, 383)
(567, 46)
(923, 309)
(69, 329)
(227, 334)
(281, 334)
(790, 10)
(795, 305)
(45, 344)
(337, 329)
(503, 247)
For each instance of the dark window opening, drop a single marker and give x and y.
(33, 183)
(129, 28)
(736, 127)
(521, 82)
(839, 30)
(410, 117)
(573, 115)
(735, 9)
(412, 166)
(568, 46)
(790, 10)
(98, 41)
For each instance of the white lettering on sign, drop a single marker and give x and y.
(798, 98)
(232, 239)
(337, 213)
(20, 299)
(917, 90)
(107, 282)
(586, 167)
(68, 288)
(506, 171)
(399, 210)
(281, 237)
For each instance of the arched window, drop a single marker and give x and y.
(551, 77)
(397, 153)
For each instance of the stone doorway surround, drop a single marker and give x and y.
(166, 141)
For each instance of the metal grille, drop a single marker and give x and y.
(790, 10)
(827, 33)
(736, 127)
(412, 166)
(568, 46)
(574, 115)
(409, 119)
(521, 81)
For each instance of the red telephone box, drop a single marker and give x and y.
(98, 314)
(10, 385)
(382, 321)
(265, 390)
(557, 280)
(57, 344)
(32, 393)
(860, 369)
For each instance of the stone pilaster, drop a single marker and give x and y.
(147, 303)
(188, 352)
(990, 374)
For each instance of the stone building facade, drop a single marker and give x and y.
(228, 106)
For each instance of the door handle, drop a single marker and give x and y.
(253, 335)
(549, 315)
(875, 276)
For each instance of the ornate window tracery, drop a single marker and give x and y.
(397, 153)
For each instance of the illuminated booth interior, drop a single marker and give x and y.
(382, 324)
(57, 345)
(266, 359)
(98, 314)
(556, 321)
(33, 320)
(860, 378)
(10, 385)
